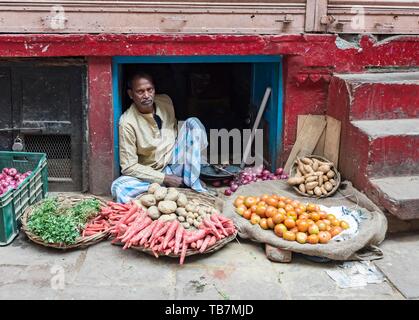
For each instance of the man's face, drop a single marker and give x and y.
(142, 93)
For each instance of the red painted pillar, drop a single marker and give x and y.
(100, 123)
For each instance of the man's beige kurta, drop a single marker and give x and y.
(144, 150)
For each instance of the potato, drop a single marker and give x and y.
(189, 220)
(153, 187)
(181, 212)
(167, 217)
(315, 165)
(148, 200)
(324, 191)
(324, 168)
(182, 200)
(308, 168)
(167, 207)
(320, 181)
(196, 224)
(295, 180)
(214, 211)
(307, 161)
(190, 207)
(196, 215)
(333, 182)
(330, 174)
(190, 215)
(311, 179)
(310, 192)
(317, 191)
(153, 212)
(328, 186)
(181, 219)
(172, 194)
(311, 185)
(160, 193)
(139, 204)
(186, 225)
(302, 188)
(196, 210)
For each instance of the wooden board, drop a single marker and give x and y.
(332, 140)
(319, 149)
(311, 130)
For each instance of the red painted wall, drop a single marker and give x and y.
(309, 60)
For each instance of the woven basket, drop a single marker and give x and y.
(199, 198)
(81, 242)
(337, 178)
(190, 252)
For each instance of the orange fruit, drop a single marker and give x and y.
(303, 208)
(311, 207)
(310, 222)
(335, 231)
(303, 226)
(289, 207)
(313, 229)
(313, 239)
(289, 223)
(301, 237)
(263, 197)
(263, 224)
(247, 214)
(260, 210)
(315, 216)
(280, 229)
(270, 211)
(272, 202)
(292, 214)
(249, 201)
(298, 211)
(303, 216)
(282, 210)
(327, 222)
(322, 226)
(281, 204)
(254, 219)
(323, 215)
(295, 203)
(278, 218)
(324, 237)
(344, 225)
(288, 235)
(295, 230)
(271, 223)
(238, 202)
(241, 210)
(335, 223)
(288, 201)
(282, 198)
(331, 217)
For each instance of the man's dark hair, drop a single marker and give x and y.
(139, 75)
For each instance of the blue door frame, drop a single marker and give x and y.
(274, 109)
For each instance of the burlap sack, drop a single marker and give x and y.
(363, 246)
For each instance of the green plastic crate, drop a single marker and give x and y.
(33, 189)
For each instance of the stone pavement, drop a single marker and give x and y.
(238, 271)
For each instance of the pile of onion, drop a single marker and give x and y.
(10, 178)
(254, 174)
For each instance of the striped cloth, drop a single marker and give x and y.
(186, 163)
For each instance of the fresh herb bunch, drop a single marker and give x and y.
(57, 224)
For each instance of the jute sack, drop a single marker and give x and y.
(362, 246)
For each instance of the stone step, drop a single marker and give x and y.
(375, 96)
(398, 195)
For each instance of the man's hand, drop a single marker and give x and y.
(171, 180)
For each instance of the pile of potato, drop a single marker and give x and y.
(169, 204)
(313, 177)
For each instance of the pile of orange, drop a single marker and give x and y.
(290, 219)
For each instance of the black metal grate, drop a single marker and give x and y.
(58, 150)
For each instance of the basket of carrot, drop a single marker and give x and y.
(137, 227)
(67, 221)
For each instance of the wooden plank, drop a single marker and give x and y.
(332, 140)
(307, 139)
(319, 149)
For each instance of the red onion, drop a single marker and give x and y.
(279, 171)
(234, 187)
(4, 184)
(228, 192)
(284, 176)
(265, 172)
(5, 171)
(226, 181)
(216, 183)
(12, 172)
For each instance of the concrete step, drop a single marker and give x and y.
(382, 95)
(399, 195)
(392, 146)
